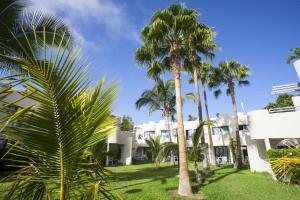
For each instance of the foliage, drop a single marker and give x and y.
(296, 56)
(232, 146)
(154, 147)
(15, 20)
(126, 123)
(286, 164)
(161, 97)
(283, 100)
(68, 118)
(228, 73)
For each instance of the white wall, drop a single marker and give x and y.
(276, 125)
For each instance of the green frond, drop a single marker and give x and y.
(69, 118)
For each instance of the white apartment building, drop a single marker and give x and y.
(221, 133)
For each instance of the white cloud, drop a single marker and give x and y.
(83, 15)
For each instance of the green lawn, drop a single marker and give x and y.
(142, 182)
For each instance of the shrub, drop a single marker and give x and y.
(286, 164)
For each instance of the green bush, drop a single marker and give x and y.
(279, 153)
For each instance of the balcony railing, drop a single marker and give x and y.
(283, 109)
(286, 88)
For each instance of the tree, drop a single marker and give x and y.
(160, 98)
(204, 75)
(126, 123)
(283, 100)
(200, 41)
(196, 150)
(294, 57)
(164, 39)
(229, 73)
(52, 145)
(14, 20)
(154, 147)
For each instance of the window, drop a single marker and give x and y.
(148, 134)
(243, 127)
(220, 130)
(165, 135)
(188, 134)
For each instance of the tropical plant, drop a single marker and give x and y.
(68, 118)
(154, 147)
(229, 73)
(160, 98)
(296, 55)
(200, 41)
(126, 123)
(15, 19)
(285, 163)
(165, 39)
(283, 100)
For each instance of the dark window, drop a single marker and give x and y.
(188, 134)
(243, 127)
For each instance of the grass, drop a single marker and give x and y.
(144, 181)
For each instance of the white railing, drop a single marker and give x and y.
(286, 88)
(283, 109)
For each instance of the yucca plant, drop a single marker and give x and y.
(53, 146)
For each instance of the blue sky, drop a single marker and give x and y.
(256, 33)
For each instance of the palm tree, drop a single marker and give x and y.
(204, 74)
(154, 149)
(53, 144)
(197, 149)
(165, 40)
(160, 98)
(15, 19)
(296, 55)
(200, 41)
(229, 73)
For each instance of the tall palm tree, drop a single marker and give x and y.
(204, 75)
(160, 98)
(296, 55)
(200, 40)
(230, 73)
(165, 40)
(53, 144)
(15, 19)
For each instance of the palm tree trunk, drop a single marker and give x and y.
(238, 162)
(184, 187)
(200, 118)
(197, 173)
(211, 145)
(169, 131)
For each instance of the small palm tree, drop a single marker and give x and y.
(154, 147)
(229, 73)
(296, 55)
(165, 39)
(15, 19)
(68, 118)
(160, 98)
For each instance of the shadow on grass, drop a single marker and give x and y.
(147, 174)
(133, 191)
